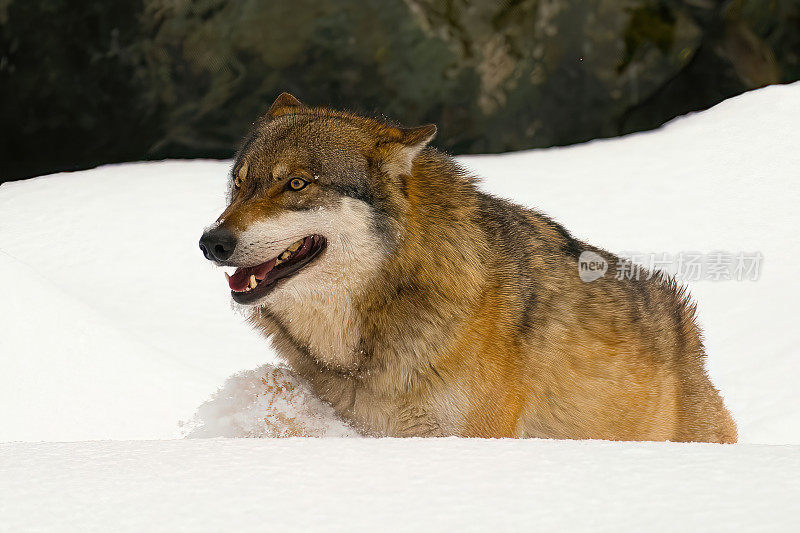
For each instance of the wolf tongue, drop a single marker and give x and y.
(240, 280)
(263, 269)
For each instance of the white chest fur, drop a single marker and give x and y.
(316, 305)
(324, 322)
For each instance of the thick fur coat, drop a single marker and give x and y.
(436, 309)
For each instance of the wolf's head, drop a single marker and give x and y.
(315, 197)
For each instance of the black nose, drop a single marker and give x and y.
(217, 244)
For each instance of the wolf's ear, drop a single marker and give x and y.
(283, 104)
(403, 147)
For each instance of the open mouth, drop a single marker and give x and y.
(251, 283)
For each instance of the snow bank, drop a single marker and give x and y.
(113, 325)
(398, 485)
(69, 372)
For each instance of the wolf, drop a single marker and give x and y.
(419, 306)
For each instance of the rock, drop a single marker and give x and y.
(165, 78)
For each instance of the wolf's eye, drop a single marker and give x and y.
(297, 183)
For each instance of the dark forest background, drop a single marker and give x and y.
(89, 82)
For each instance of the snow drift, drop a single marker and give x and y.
(114, 327)
(397, 485)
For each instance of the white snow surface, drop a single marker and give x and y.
(398, 485)
(113, 326)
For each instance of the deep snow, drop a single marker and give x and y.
(398, 485)
(114, 327)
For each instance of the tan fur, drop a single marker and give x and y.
(443, 311)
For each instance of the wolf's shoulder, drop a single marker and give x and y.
(519, 226)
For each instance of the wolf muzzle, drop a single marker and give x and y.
(218, 244)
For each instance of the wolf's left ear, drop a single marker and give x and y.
(404, 147)
(283, 104)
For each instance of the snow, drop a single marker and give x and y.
(114, 327)
(394, 484)
(114, 312)
(269, 401)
